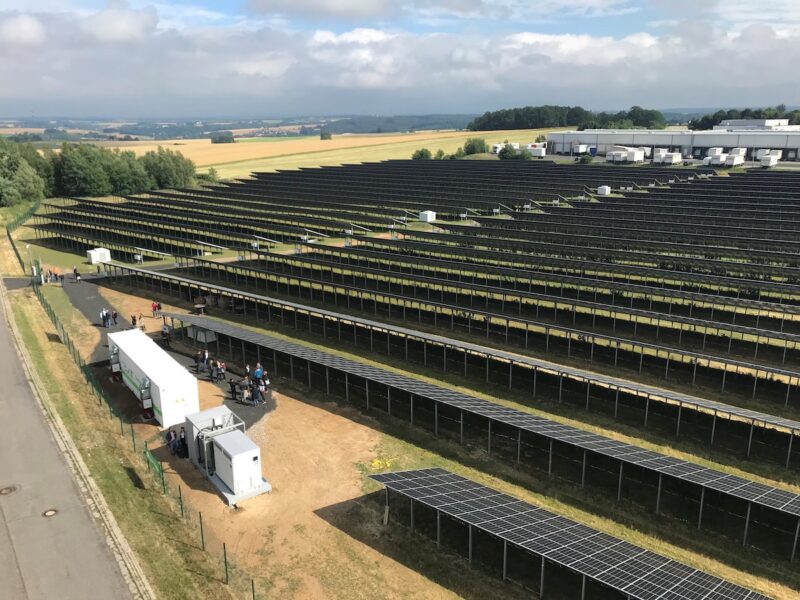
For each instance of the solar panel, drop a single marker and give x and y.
(773, 498)
(635, 571)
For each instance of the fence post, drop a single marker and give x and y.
(253, 587)
(163, 482)
(133, 438)
(121, 426)
(225, 559)
(146, 460)
(202, 537)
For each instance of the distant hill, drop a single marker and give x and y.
(390, 124)
(536, 117)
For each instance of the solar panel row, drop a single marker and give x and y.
(630, 569)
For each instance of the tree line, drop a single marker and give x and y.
(86, 170)
(777, 112)
(536, 117)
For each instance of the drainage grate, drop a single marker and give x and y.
(9, 489)
(50, 512)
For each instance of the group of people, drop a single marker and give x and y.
(216, 368)
(53, 276)
(156, 308)
(107, 318)
(177, 443)
(253, 387)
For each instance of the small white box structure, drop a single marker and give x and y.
(719, 159)
(158, 380)
(733, 160)
(668, 158)
(219, 448)
(738, 152)
(604, 190)
(427, 216)
(646, 150)
(714, 152)
(771, 158)
(535, 145)
(238, 462)
(580, 148)
(538, 152)
(98, 255)
(707, 161)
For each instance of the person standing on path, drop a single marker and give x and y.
(114, 316)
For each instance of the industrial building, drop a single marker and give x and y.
(691, 144)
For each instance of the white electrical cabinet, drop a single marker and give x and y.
(238, 461)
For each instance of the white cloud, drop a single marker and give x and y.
(22, 30)
(316, 9)
(118, 22)
(132, 65)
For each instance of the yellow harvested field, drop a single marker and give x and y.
(240, 158)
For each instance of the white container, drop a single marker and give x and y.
(237, 462)
(762, 153)
(497, 147)
(534, 145)
(738, 152)
(580, 148)
(719, 159)
(157, 379)
(769, 160)
(604, 190)
(672, 158)
(634, 156)
(538, 152)
(98, 255)
(707, 161)
(427, 216)
(714, 152)
(734, 159)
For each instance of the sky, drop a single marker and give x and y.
(283, 58)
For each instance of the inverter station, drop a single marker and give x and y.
(669, 303)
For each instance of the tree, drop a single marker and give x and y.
(169, 169)
(540, 138)
(475, 146)
(585, 159)
(212, 176)
(79, 172)
(28, 184)
(459, 154)
(325, 135)
(222, 137)
(440, 155)
(422, 154)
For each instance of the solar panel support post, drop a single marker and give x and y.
(789, 452)
(583, 587)
(678, 424)
(794, 545)
(435, 417)
(700, 514)
(519, 445)
(412, 514)
(619, 485)
(438, 528)
(550, 460)
(412, 409)
(461, 428)
(347, 395)
(489, 437)
(328, 383)
(646, 409)
(713, 429)
(616, 403)
(510, 373)
(505, 560)
(469, 543)
(583, 470)
(535, 373)
(750, 438)
(658, 495)
(746, 523)
(588, 392)
(541, 579)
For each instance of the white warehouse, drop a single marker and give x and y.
(693, 144)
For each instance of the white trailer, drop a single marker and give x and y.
(98, 255)
(718, 159)
(160, 382)
(534, 145)
(538, 152)
(733, 160)
(769, 160)
(738, 152)
(714, 152)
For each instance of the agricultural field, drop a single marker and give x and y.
(629, 362)
(267, 154)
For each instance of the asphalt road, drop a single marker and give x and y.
(64, 556)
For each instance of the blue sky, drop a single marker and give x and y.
(290, 57)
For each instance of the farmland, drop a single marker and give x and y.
(267, 154)
(629, 362)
